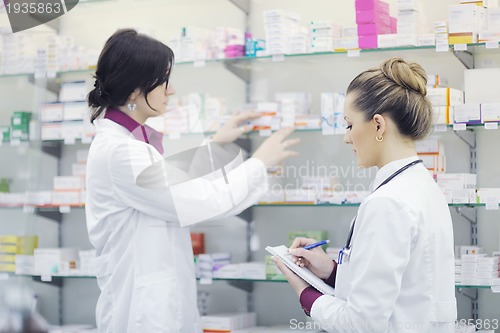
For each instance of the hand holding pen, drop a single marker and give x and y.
(312, 256)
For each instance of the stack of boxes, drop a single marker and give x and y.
(294, 109)
(373, 19)
(474, 268)
(193, 44)
(207, 264)
(192, 113)
(228, 43)
(441, 35)
(13, 246)
(411, 23)
(465, 21)
(332, 113)
(348, 41)
(20, 126)
(55, 261)
(491, 31)
(87, 263)
(280, 27)
(67, 119)
(323, 35)
(254, 47)
(18, 53)
(432, 153)
(444, 101)
(246, 270)
(488, 195)
(458, 188)
(227, 322)
(481, 94)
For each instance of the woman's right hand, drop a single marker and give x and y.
(316, 260)
(273, 150)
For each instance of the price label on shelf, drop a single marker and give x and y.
(460, 47)
(15, 142)
(46, 277)
(4, 276)
(492, 205)
(459, 127)
(265, 133)
(199, 63)
(440, 128)
(442, 48)
(206, 280)
(278, 57)
(353, 53)
(174, 135)
(491, 126)
(69, 141)
(492, 45)
(64, 209)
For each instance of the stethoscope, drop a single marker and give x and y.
(346, 250)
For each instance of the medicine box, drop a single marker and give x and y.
(51, 112)
(68, 183)
(445, 96)
(469, 113)
(479, 85)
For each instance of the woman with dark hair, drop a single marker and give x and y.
(396, 270)
(145, 266)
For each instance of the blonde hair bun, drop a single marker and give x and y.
(409, 75)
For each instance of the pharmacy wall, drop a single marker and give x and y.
(91, 23)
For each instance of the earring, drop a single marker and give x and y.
(132, 106)
(379, 138)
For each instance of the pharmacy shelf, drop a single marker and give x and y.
(258, 133)
(42, 209)
(53, 278)
(352, 205)
(273, 58)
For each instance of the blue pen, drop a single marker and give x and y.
(312, 246)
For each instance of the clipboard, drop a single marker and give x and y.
(308, 276)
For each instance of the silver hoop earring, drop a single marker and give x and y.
(132, 106)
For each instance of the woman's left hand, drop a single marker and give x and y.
(295, 281)
(232, 129)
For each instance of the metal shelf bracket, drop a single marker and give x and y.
(244, 5)
(240, 72)
(469, 137)
(468, 213)
(466, 58)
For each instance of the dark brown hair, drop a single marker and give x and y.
(398, 89)
(128, 61)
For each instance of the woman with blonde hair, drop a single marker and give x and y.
(396, 270)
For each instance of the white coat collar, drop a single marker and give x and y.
(105, 125)
(391, 167)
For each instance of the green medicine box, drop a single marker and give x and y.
(318, 235)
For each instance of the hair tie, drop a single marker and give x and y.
(97, 85)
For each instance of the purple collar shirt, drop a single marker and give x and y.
(142, 133)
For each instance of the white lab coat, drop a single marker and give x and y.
(399, 276)
(145, 268)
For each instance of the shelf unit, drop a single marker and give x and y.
(241, 67)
